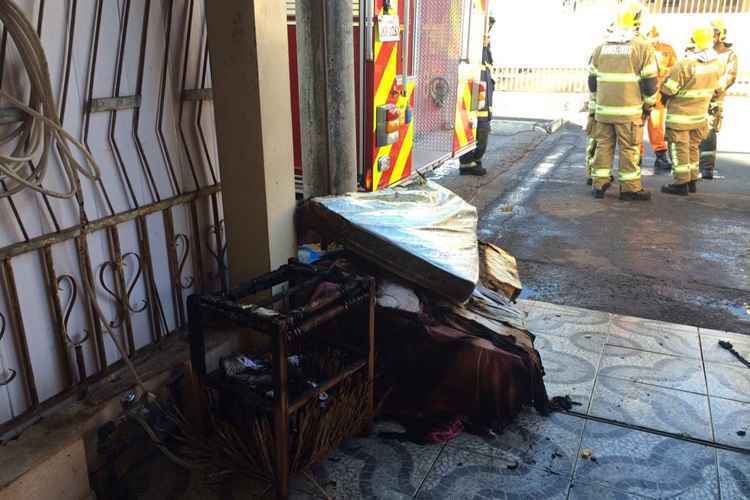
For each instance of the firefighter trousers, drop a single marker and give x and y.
(708, 152)
(475, 155)
(590, 145)
(684, 151)
(590, 152)
(628, 138)
(656, 123)
(708, 145)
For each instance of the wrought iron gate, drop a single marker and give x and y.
(132, 81)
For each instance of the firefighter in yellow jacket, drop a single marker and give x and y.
(686, 93)
(624, 77)
(728, 57)
(590, 141)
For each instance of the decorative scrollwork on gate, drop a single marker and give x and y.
(182, 240)
(8, 377)
(123, 299)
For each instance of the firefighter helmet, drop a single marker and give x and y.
(719, 26)
(703, 37)
(629, 15)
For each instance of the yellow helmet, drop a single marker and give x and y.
(703, 37)
(718, 25)
(629, 15)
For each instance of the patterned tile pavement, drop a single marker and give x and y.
(664, 413)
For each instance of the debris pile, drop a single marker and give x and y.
(452, 346)
(410, 317)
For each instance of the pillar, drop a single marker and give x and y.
(325, 65)
(250, 77)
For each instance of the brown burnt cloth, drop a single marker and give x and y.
(475, 360)
(435, 370)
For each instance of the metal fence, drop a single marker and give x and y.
(698, 6)
(571, 80)
(132, 77)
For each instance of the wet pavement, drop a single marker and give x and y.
(684, 260)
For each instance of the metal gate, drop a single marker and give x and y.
(132, 81)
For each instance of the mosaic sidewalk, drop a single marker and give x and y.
(663, 412)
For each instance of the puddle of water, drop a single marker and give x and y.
(742, 311)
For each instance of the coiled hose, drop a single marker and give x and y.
(39, 131)
(41, 128)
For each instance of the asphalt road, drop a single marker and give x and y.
(682, 260)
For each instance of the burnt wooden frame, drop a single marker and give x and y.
(284, 328)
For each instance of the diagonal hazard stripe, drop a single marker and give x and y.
(384, 80)
(469, 131)
(400, 152)
(394, 152)
(403, 154)
(462, 130)
(376, 174)
(387, 56)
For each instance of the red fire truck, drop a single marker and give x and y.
(419, 65)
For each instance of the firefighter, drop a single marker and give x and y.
(624, 75)
(728, 57)
(471, 162)
(590, 141)
(665, 59)
(687, 92)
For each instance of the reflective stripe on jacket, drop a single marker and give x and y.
(620, 67)
(690, 87)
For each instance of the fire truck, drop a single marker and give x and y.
(417, 81)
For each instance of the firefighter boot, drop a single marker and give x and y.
(693, 186)
(708, 174)
(473, 168)
(641, 195)
(678, 189)
(662, 161)
(599, 193)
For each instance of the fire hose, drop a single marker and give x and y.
(41, 128)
